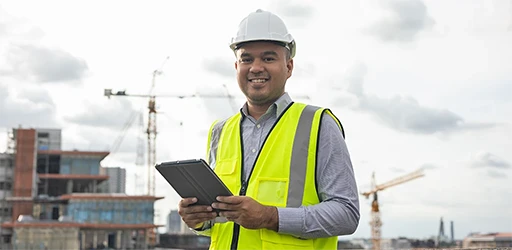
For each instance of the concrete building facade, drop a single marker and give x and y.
(55, 201)
(489, 240)
(116, 182)
(173, 222)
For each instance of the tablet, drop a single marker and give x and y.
(193, 178)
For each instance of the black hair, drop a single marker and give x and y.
(288, 53)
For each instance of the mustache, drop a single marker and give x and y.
(253, 76)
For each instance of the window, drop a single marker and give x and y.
(5, 185)
(43, 135)
(6, 162)
(106, 216)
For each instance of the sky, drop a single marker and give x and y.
(417, 85)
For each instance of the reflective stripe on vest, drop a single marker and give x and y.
(299, 160)
(213, 141)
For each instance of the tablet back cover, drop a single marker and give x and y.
(193, 178)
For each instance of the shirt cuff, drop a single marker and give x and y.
(204, 230)
(291, 220)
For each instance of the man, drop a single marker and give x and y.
(286, 162)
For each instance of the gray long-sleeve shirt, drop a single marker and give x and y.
(338, 212)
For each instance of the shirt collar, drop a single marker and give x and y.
(278, 106)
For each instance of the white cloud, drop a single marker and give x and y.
(298, 14)
(113, 114)
(403, 21)
(39, 64)
(220, 66)
(403, 113)
(488, 160)
(29, 107)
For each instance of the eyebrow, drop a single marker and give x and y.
(266, 53)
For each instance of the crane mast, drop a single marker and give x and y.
(375, 222)
(139, 161)
(151, 131)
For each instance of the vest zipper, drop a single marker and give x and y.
(243, 190)
(236, 227)
(245, 183)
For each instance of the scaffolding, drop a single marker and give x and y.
(6, 184)
(6, 188)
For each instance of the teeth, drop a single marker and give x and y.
(258, 80)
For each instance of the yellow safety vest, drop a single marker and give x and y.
(283, 176)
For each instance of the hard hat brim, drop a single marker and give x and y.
(288, 45)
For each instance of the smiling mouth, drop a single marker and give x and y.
(258, 80)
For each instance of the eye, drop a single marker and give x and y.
(268, 59)
(246, 60)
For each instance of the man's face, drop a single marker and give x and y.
(262, 70)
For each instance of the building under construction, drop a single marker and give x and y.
(51, 199)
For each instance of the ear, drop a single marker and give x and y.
(236, 64)
(289, 66)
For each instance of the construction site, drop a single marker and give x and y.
(56, 199)
(52, 198)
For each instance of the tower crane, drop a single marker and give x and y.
(376, 222)
(151, 130)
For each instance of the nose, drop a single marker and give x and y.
(257, 67)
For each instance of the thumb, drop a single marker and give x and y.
(231, 199)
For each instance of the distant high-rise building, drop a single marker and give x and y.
(442, 238)
(441, 229)
(116, 182)
(451, 231)
(173, 222)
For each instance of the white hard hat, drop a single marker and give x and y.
(263, 26)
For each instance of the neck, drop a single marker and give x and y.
(256, 110)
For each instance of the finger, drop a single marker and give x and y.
(225, 206)
(200, 216)
(231, 199)
(194, 219)
(187, 201)
(197, 209)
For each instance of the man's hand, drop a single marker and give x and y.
(195, 216)
(247, 212)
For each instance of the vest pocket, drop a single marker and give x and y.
(225, 166)
(273, 240)
(225, 169)
(272, 191)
